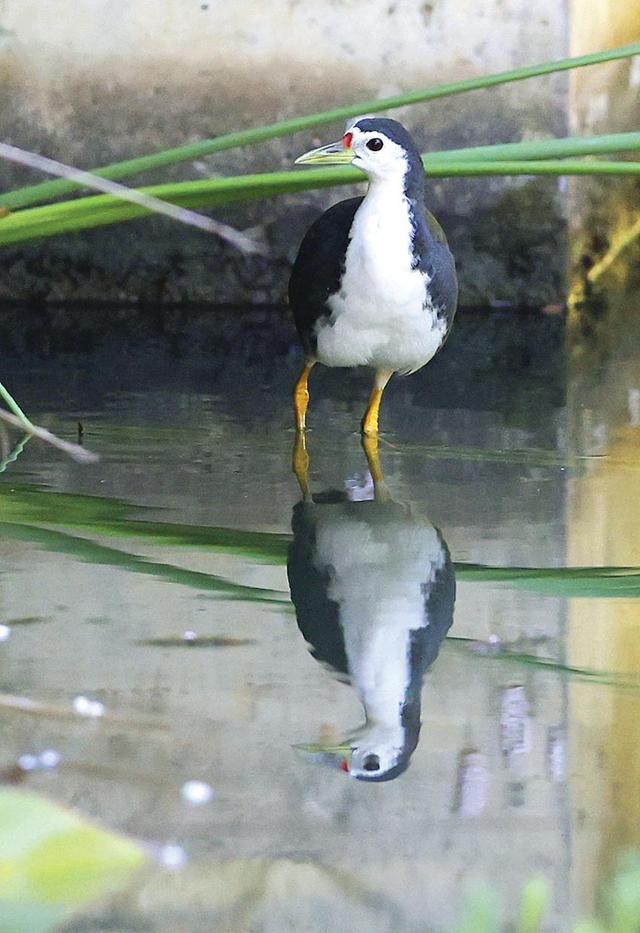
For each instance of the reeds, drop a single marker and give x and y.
(31, 217)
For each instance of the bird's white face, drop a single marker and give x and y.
(375, 154)
(375, 750)
(370, 151)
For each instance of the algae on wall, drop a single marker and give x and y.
(124, 77)
(604, 215)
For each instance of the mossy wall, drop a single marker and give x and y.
(93, 81)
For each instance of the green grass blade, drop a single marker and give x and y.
(45, 191)
(539, 149)
(102, 210)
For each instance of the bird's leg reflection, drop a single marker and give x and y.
(301, 464)
(370, 447)
(301, 396)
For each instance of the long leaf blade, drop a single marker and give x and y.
(102, 210)
(35, 194)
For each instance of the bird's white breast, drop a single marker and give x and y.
(378, 576)
(382, 315)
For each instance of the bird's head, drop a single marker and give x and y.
(380, 147)
(375, 752)
(378, 752)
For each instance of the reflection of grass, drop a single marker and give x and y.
(504, 653)
(110, 518)
(27, 513)
(569, 582)
(93, 553)
(529, 456)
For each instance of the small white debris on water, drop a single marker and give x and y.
(189, 635)
(49, 759)
(5, 632)
(86, 707)
(172, 856)
(27, 762)
(196, 792)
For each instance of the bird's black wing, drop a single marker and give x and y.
(435, 229)
(439, 602)
(319, 267)
(435, 259)
(318, 616)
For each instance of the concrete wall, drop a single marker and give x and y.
(90, 81)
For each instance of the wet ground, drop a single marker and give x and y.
(156, 584)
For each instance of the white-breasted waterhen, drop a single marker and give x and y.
(374, 283)
(373, 588)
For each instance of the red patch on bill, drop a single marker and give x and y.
(344, 765)
(347, 139)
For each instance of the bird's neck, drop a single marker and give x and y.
(380, 672)
(409, 185)
(398, 196)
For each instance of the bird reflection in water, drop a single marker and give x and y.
(373, 588)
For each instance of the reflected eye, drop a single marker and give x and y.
(375, 145)
(371, 762)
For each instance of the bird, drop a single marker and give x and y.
(374, 283)
(373, 587)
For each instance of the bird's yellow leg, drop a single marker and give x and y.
(370, 420)
(301, 464)
(301, 396)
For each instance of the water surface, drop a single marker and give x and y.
(487, 455)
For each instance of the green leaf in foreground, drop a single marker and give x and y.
(35, 194)
(53, 862)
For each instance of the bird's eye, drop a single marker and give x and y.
(372, 762)
(375, 144)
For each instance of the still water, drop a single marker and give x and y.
(156, 583)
